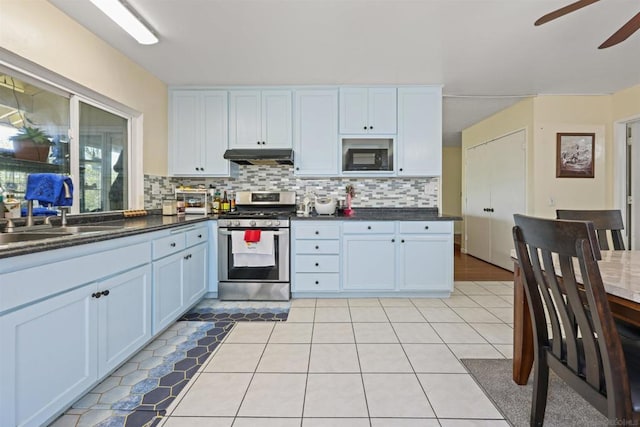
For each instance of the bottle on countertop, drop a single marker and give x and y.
(216, 202)
(232, 202)
(226, 206)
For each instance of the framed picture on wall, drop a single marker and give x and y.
(574, 155)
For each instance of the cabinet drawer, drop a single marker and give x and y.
(317, 246)
(199, 235)
(168, 245)
(317, 232)
(317, 282)
(426, 227)
(368, 227)
(317, 263)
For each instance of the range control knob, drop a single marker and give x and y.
(268, 223)
(252, 223)
(236, 223)
(276, 222)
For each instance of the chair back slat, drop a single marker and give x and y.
(584, 337)
(608, 220)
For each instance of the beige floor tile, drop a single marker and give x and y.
(475, 351)
(460, 301)
(503, 313)
(471, 288)
(374, 333)
(395, 395)
(291, 333)
(428, 302)
(505, 349)
(476, 314)
(333, 358)
(333, 333)
(250, 332)
(333, 314)
(492, 301)
(339, 395)
(285, 358)
(198, 422)
(266, 422)
(214, 394)
(235, 358)
(364, 302)
(416, 333)
(396, 302)
(404, 422)
(301, 314)
(433, 358)
(67, 421)
(460, 333)
(474, 423)
(440, 314)
(404, 314)
(495, 333)
(457, 396)
(368, 314)
(383, 358)
(274, 395)
(335, 422)
(303, 302)
(332, 302)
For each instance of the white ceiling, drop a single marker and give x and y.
(486, 53)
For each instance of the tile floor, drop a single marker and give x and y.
(391, 362)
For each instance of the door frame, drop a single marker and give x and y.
(620, 168)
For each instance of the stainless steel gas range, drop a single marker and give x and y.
(254, 247)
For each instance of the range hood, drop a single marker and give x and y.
(265, 156)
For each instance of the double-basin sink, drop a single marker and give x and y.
(49, 232)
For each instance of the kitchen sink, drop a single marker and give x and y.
(75, 229)
(27, 236)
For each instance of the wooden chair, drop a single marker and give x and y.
(603, 221)
(584, 348)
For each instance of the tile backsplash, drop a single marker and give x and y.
(370, 192)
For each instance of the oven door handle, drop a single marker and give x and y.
(275, 233)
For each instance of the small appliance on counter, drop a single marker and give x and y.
(169, 207)
(325, 205)
(196, 200)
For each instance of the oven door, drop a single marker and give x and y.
(228, 272)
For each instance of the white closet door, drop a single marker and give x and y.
(507, 166)
(477, 219)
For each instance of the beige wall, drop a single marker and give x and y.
(451, 183)
(39, 32)
(626, 104)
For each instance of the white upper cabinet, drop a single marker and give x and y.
(198, 129)
(316, 132)
(420, 131)
(260, 119)
(368, 111)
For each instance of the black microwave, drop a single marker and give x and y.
(367, 159)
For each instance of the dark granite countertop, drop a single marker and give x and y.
(386, 214)
(130, 227)
(155, 221)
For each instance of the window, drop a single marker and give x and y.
(98, 161)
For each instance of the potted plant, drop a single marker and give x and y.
(31, 143)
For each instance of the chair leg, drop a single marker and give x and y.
(540, 388)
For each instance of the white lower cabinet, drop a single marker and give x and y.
(369, 250)
(316, 259)
(179, 273)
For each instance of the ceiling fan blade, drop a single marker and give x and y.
(623, 33)
(563, 11)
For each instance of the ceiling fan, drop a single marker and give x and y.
(619, 36)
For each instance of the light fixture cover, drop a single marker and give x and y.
(127, 20)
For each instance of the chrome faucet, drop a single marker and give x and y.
(29, 213)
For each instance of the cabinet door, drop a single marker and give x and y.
(245, 123)
(124, 316)
(382, 111)
(316, 137)
(368, 262)
(477, 219)
(354, 114)
(215, 133)
(276, 119)
(49, 358)
(425, 263)
(185, 153)
(419, 131)
(167, 290)
(195, 274)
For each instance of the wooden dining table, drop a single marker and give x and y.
(620, 271)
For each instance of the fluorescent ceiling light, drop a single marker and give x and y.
(127, 20)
